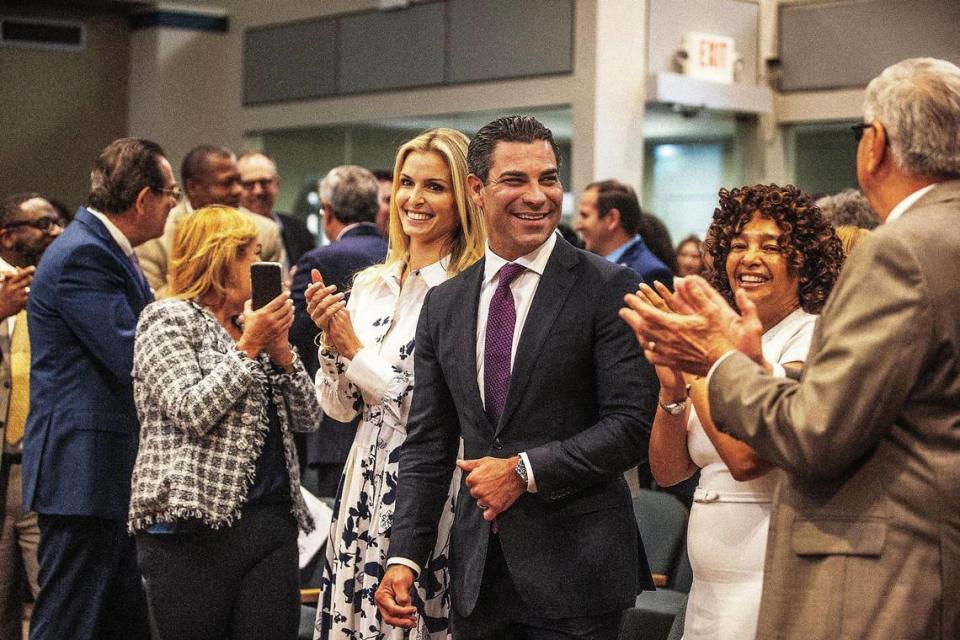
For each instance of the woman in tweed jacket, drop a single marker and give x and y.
(216, 489)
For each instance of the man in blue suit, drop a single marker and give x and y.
(349, 196)
(609, 220)
(82, 434)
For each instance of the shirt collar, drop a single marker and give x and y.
(535, 261)
(616, 254)
(114, 232)
(432, 274)
(908, 202)
(351, 227)
(6, 266)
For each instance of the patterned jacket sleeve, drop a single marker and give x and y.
(167, 365)
(301, 399)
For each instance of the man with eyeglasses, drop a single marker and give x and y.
(210, 176)
(82, 432)
(28, 224)
(261, 185)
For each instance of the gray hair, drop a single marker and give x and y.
(918, 103)
(849, 207)
(352, 192)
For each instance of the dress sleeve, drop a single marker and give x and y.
(379, 381)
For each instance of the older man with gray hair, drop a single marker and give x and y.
(865, 531)
(349, 196)
(848, 208)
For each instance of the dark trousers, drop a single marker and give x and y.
(89, 583)
(501, 614)
(239, 582)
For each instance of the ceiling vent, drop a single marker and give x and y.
(40, 33)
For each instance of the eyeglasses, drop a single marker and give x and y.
(263, 182)
(174, 191)
(858, 129)
(41, 224)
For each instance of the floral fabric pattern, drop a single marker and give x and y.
(378, 383)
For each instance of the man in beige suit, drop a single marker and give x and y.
(28, 224)
(865, 531)
(210, 176)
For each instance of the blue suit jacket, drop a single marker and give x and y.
(337, 262)
(639, 258)
(82, 433)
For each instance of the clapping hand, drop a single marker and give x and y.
(698, 328)
(328, 310)
(14, 290)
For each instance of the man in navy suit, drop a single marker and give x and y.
(609, 221)
(82, 433)
(520, 357)
(349, 196)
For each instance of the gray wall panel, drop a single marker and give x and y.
(289, 61)
(505, 38)
(670, 19)
(392, 49)
(846, 45)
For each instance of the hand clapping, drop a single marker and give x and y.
(328, 310)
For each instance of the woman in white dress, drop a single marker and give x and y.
(776, 246)
(366, 366)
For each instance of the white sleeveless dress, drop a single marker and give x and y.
(727, 532)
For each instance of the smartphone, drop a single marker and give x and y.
(266, 282)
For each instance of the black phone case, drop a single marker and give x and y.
(265, 282)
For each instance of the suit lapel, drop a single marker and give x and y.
(97, 229)
(555, 284)
(467, 335)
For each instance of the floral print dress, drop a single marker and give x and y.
(378, 383)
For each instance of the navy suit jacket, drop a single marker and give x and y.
(649, 267)
(338, 262)
(297, 239)
(581, 405)
(82, 432)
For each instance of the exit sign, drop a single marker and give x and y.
(708, 57)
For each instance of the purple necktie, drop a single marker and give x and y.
(501, 322)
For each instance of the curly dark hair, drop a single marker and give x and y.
(810, 243)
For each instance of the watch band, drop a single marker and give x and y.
(676, 408)
(521, 471)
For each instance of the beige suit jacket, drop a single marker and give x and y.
(865, 531)
(154, 254)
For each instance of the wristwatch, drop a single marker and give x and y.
(676, 408)
(521, 471)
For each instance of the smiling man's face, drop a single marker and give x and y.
(522, 198)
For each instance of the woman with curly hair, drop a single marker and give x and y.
(775, 245)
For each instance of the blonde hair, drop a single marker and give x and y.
(205, 245)
(849, 237)
(467, 242)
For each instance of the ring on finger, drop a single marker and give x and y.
(483, 507)
(652, 345)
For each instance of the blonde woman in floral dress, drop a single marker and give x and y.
(366, 366)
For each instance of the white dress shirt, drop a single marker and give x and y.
(114, 232)
(524, 288)
(908, 202)
(6, 267)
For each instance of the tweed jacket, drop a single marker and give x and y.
(202, 406)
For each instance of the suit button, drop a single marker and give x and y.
(497, 444)
(242, 444)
